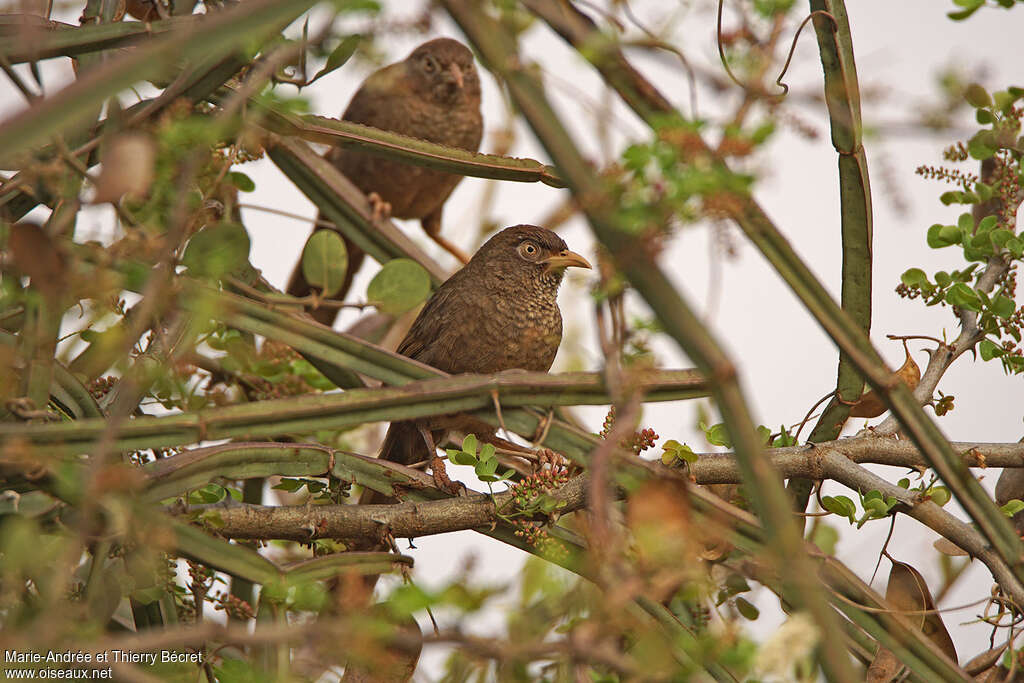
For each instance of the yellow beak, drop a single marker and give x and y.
(566, 259)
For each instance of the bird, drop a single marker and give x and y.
(433, 95)
(498, 312)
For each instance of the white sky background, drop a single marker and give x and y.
(786, 362)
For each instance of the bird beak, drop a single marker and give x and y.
(456, 75)
(566, 259)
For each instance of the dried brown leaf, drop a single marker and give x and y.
(871, 404)
(908, 592)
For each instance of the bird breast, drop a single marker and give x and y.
(526, 328)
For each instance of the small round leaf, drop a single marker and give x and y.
(216, 250)
(325, 261)
(401, 285)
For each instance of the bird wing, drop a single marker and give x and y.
(379, 100)
(443, 330)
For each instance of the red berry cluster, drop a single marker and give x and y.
(525, 490)
(233, 605)
(101, 385)
(638, 443)
(641, 440)
(537, 536)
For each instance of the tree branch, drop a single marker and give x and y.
(304, 523)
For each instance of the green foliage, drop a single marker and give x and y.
(341, 54)
(483, 460)
(325, 261)
(217, 250)
(659, 187)
(993, 236)
(969, 7)
(401, 285)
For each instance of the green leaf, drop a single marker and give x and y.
(943, 236)
(989, 349)
(487, 452)
(217, 250)
(1003, 101)
(987, 223)
(984, 192)
(486, 468)
(764, 434)
(951, 197)
(401, 285)
(963, 296)
(840, 505)
(1001, 237)
(1012, 507)
(825, 537)
(716, 434)
(325, 261)
(242, 181)
(784, 438)
(461, 457)
(746, 609)
(673, 450)
(341, 54)
(982, 145)
(469, 444)
(1015, 246)
(914, 277)
(1003, 307)
(970, 7)
(939, 495)
(977, 96)
(876, 507)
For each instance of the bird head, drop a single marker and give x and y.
(527, 252)
(442, 71)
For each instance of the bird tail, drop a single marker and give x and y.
(404, 444)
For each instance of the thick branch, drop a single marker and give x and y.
(369, 522)
(805, 461)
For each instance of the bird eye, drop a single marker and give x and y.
(429, 64)
(528, 250)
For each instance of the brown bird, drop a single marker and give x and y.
(434, 95)
(499, 312)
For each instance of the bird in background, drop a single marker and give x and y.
(433, 95)
(499, 312)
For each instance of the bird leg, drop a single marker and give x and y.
(381, 209)
(437, 468)
(432, 226)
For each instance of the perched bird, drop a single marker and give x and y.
(433, 95)
(499, 312)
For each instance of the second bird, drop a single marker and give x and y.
(433, 95)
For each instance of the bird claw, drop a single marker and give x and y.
(381, 209)
(441, 480)
(553, 459)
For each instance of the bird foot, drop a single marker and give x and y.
(381, 209)
(553, 459)
(441, 479)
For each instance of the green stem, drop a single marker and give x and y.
(842, 97)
